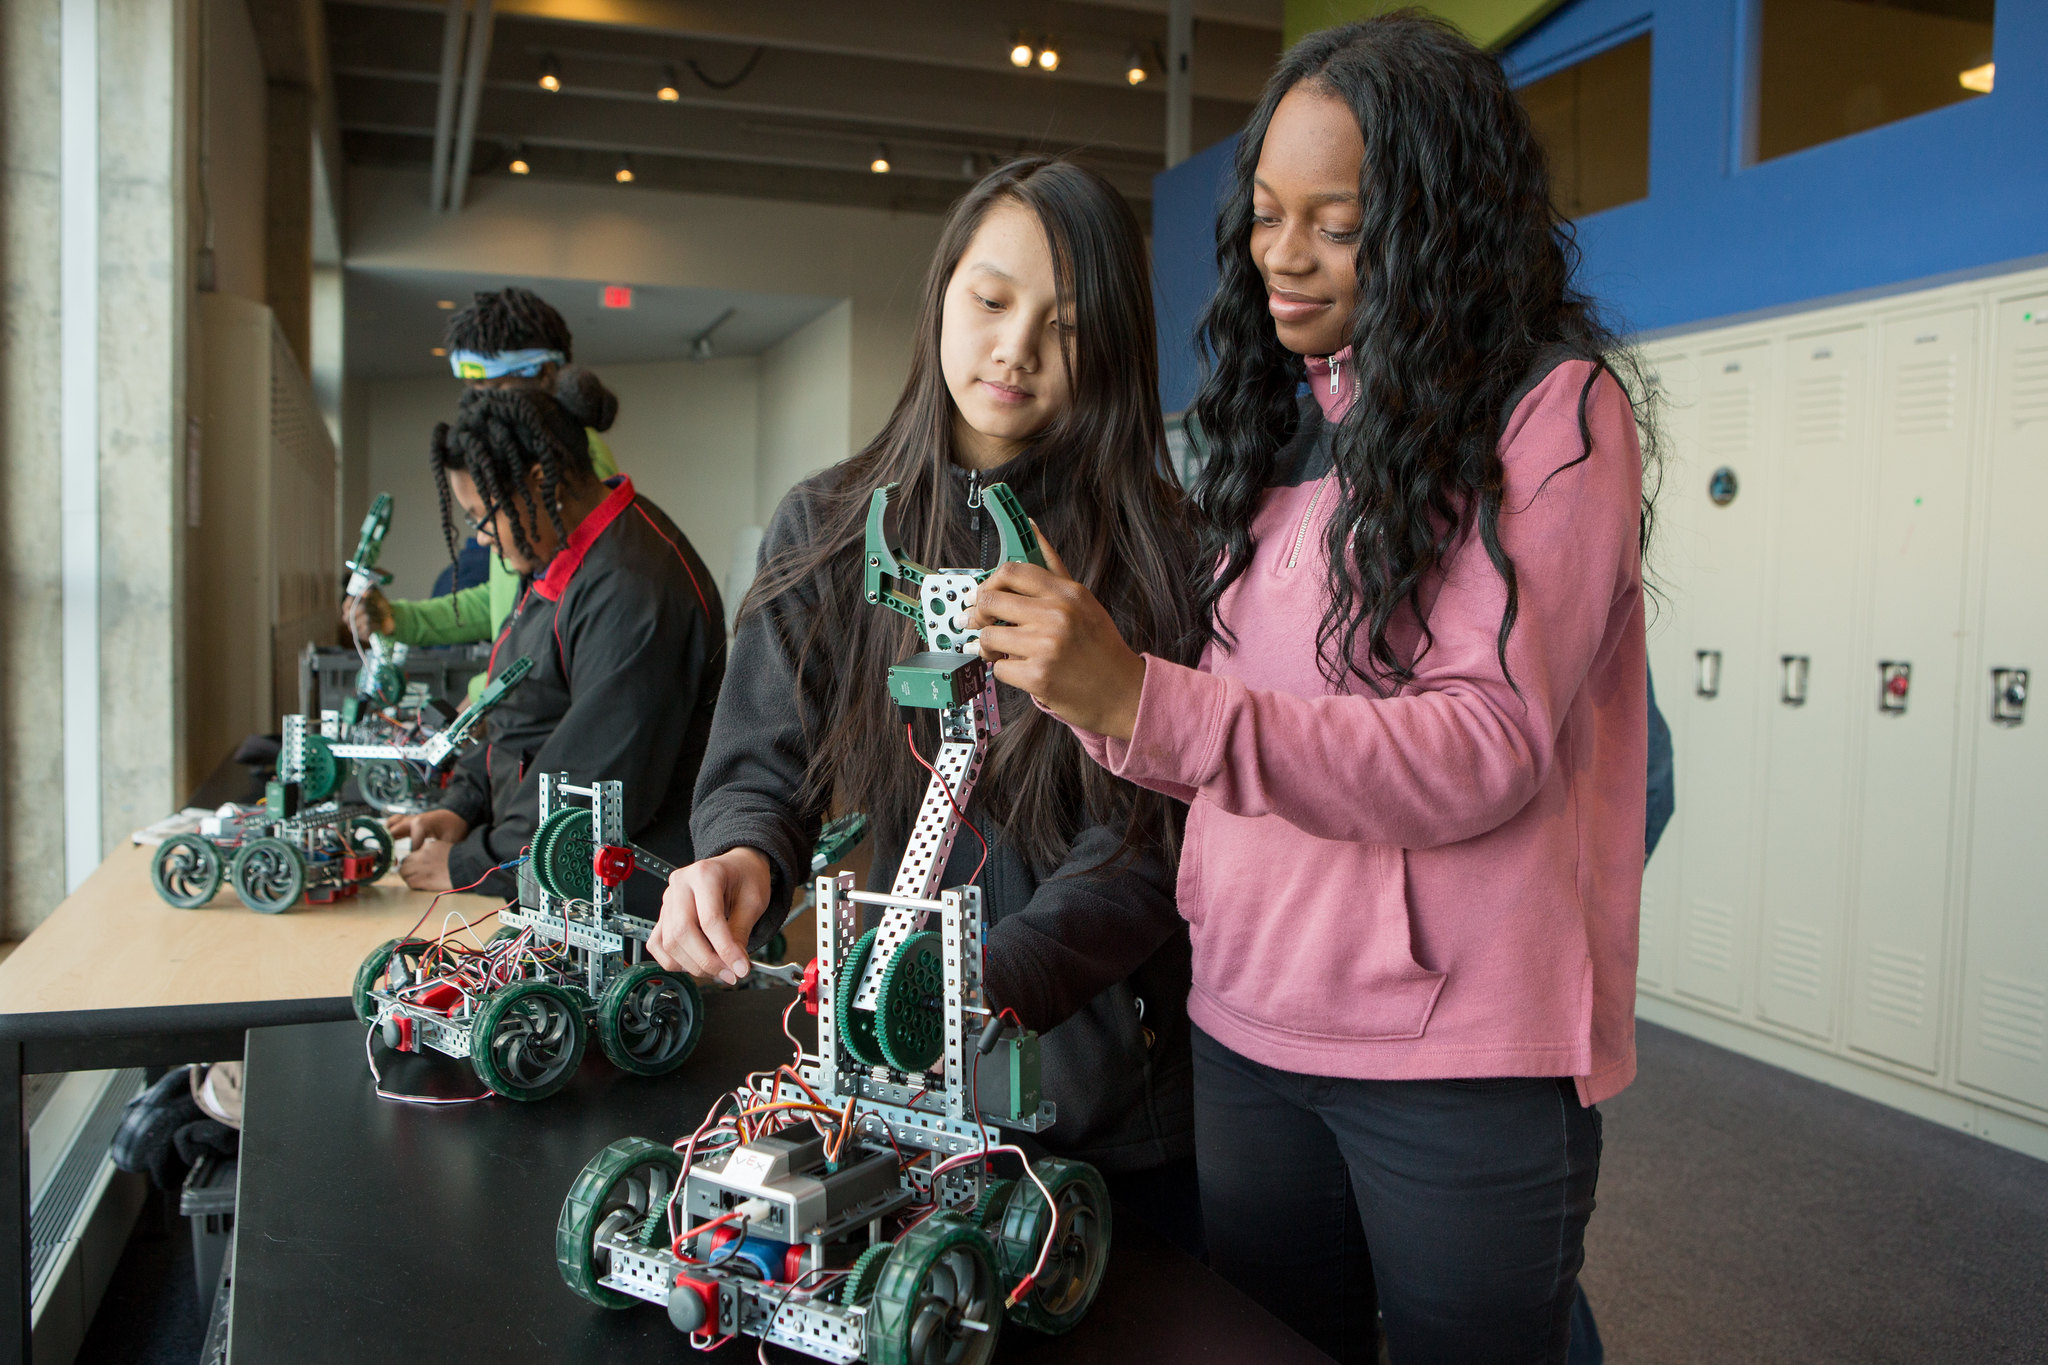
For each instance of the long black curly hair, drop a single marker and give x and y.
(1465, 277)
(499, 434)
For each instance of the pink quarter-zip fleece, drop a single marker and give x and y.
(1443, 882)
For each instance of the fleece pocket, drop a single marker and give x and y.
(1306, 937)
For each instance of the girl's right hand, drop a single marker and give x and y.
(368, 615)
(709, 911)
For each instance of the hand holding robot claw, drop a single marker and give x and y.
(851, 1204)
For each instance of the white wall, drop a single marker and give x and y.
(806, 406)
(686, 433)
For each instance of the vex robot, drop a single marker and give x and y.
(303, 841)
(567, 960)
(387, 709)
(853, 1205)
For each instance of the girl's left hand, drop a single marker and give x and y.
(1046, 634)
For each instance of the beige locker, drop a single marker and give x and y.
(1915, 592)
(1675, 377)
(2004, 1043)
(1723, 685)
(1819, 683)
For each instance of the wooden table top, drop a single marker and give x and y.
(112, 944)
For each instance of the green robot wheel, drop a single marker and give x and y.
(371, 973)
(649, 1019)
(1080, 1251)
(941, 1277)
(856, 1027)
(269, 875)
(186, 871)
(527, 1040)
(614, 1191)
(910, 1021)
(366, 834)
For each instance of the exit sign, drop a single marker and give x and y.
(617, 296)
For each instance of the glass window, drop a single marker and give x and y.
(1829, 68)
(1593, 119)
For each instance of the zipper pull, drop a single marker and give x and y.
(1336, 366)
(974, 501)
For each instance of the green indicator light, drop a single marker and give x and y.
(1916, 502)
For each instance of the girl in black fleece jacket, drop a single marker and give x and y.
(1034, 366)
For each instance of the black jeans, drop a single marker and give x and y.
(1453, 1211)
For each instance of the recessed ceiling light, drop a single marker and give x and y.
(880, 165)
(1049, 57)
(1134, 67)
(624, 173)
(1020, 51)
(668, 94)
(550, 74)
(1977, 78)
(444, 304)
(440, 350)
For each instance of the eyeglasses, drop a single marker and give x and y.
(481, 528)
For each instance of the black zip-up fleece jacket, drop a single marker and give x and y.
(627, 637)
(1091, 960)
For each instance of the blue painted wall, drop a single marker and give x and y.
(1954, 190)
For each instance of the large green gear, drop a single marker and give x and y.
(856, 1027)
(562, 854)
(988, 1210)
(859, 1284)
(320, 772)
(910, 1020)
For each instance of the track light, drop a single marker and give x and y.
(519, 165)
(1021, 53)
(1049, 57)
(550, 74)
(1977, 78)
(624, 173)
(1134, 67)
(668, 94)
(880, 165)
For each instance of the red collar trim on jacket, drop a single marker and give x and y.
(569, 558)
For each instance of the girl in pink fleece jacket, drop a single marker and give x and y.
(1414, 747)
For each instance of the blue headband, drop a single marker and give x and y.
(500, 364)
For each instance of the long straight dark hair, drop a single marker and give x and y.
(1118, 519)
(1465, 278)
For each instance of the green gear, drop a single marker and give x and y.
(321, 773)
(368, 832)
(988, 1210)
(562, 854)
(269, 875)
(910, 1005)
(186, 871)
(859, 1284)
(1073, 1272)
(617, 1186)
(856, 1027)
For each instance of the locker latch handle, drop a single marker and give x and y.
(1895, 680)
(1792, 691)
(1709, 684)
(2008, 696)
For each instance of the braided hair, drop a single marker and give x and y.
(511, 319)
(499, 434)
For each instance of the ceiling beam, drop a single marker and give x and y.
(525, 115)
(1013, 108)
(1234, 59)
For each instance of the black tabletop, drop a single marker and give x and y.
(369, 1229)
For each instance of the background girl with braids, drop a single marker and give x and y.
(1035, 365)
(507, 339)
(1415, 743)
(623, 625)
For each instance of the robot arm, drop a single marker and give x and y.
(363, 573)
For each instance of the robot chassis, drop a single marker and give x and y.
(568, 960)
(303, 841)
(780, 1234)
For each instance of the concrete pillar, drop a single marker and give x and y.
(144, 283)
(31, 607)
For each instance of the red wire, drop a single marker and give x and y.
(910, 738)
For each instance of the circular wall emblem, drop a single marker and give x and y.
(1722, 487)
